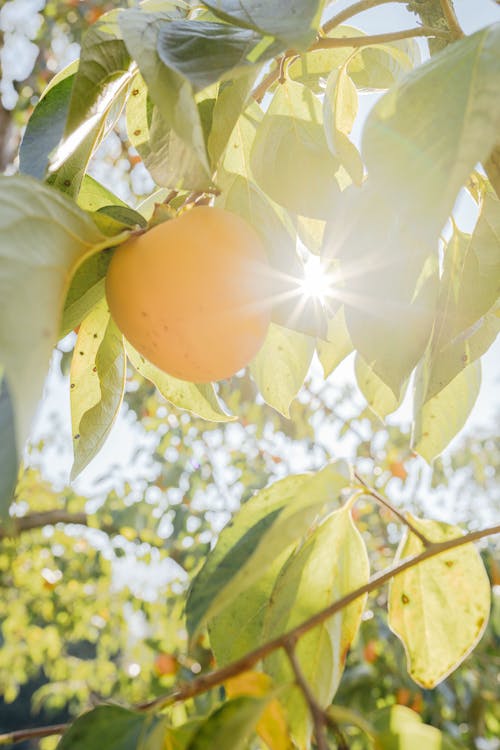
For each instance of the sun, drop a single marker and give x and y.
(318, 282)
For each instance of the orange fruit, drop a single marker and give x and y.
(192, 294)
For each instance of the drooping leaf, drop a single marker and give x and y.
(232, 97)
(171, 92)
(230, 726)
(400, 728)
(383, 65)
(264, 527)
(114, 728)
(290, 157)
(294, 22)
(205, 53)
(45, 127)
(340, 105)
(337, 346)
(332, 562)
(380, 398)
(200, 399)
(93, 195)
(437, 139)
(85, 291)
(439, 418)
(8, 449)
(43, 235)
(438, 608)
(97, 376)
(272, 726)
(280, 368)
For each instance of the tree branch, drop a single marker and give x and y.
(381, 500)
(353, 10)
(219, 676)
(39, 520)
(451, 18)
(330, 42)
(317, 713)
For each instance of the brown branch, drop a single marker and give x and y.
(267, 82)
(317, 713)
(330, 42)
(19, 735)
(39, 520)
(353, 10)
(381, 500)
(219, 676)
(451, 18)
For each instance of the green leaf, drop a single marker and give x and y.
(93, 195)
(114, 728)
(171, 92)
(294, 22)
(290, 157)
(387, 281)
(45, 127)
(281, 366)
(400, 728)
(86, 290)
(415, 130)
(230, 726)
(97, 384)
(440, 607)
(332, 562)
(205, 52)
(340, 106)
(103, 67)
(8, 450)
(232, 96)
(439, 418)
(199, 399)
(379, 396)
(337, 346)
(43, 235)
(264, 527)
(383, 65)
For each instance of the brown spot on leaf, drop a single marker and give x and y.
(404, 599)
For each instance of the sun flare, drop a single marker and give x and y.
(318, 281)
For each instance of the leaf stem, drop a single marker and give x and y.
(330, 42)
(381, 500)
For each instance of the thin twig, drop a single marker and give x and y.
(19, 735)
(352, 10)
(381, 500)
(330, 42)
(266, 83)
(219, 676)
(451, 18)
(317, 713)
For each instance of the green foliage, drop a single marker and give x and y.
(252, 106)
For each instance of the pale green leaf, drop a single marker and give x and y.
(86, 290)
(264, 527)
(198, 398)
(332, 562)
(281, 366)
(340, 106)
(379, 396)
(383, 65)
(232, 96)
(294, 22)
(97, 384)
(43, 235)
(400, 728)
(170, 92)
(415, 130)
(439, 418)
(440, 607)
(337, 346)
(93, 195)
(239, 146)
(311, 233)
(114, 728)
(290, 157)
(8, 450)
(230, 726)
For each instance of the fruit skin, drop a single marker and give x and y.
(192, 295)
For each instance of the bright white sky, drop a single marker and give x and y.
(473, 14)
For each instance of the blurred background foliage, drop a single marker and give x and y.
(91, 605)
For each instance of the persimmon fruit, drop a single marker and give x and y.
(192, 294)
